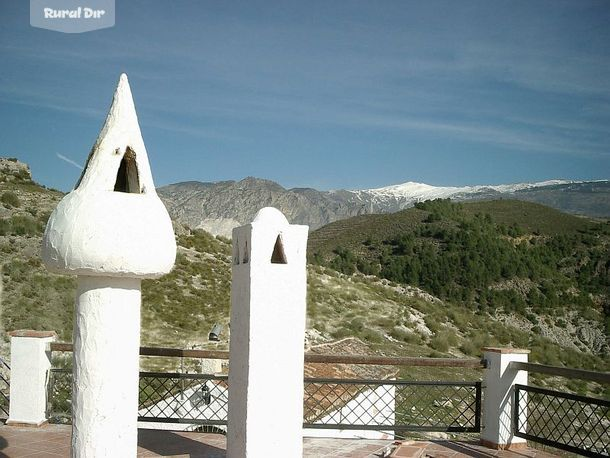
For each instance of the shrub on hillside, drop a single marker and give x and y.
(25, 225)
(5, 226)
(344, 261)
(443, 340)
(404, 335)
(21, 225)
(10, 199)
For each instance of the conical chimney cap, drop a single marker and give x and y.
(113, 223)
(120, 134)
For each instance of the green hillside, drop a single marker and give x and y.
(531, 217)
(499, 257)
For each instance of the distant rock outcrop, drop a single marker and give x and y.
(218, 207)
(13, 170)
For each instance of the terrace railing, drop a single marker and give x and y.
(512, 414)
(392, 405)
(338, 404)
(5, 387)
(197, 399)
(571, 422)
(578, 424)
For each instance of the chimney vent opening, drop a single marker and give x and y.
(278, 256)
(127, 178)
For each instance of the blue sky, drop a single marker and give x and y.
(326, 94)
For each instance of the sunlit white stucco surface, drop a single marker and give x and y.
(30, 363)
(106, 367)
(268, 302)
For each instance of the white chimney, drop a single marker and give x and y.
(112, 231)
(268, 304)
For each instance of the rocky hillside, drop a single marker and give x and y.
(218, 207)
(31, 298)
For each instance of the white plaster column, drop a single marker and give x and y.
(499, 381)
(30, 362)
(268, 302)
(106, 365)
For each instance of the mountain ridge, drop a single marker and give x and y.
(219, 206)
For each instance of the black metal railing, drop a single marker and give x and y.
(196, 399)
(568, 372)
(5, 388)
(392, 405)
(386, 405)
(570, 422)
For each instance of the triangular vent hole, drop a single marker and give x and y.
(127, 178)
(278, 256)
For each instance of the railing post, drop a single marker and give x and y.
(498, 409)
(268, 292)
(30, 363)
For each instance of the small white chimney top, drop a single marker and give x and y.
(270, 216)
(113, 223)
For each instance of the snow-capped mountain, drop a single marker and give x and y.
(422, 191)
(218, 207)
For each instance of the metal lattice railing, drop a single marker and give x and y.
(5, 385)
(566, 421)
(199, 399)
(392, 405)
(164, 397)
(183, 398)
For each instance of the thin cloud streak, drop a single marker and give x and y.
(89, 112)
(69, 161)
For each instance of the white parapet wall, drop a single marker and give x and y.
(268, 301)
(498, 403)
(30, 362)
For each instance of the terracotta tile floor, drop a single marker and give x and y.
(54, 441)
(444, 448)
